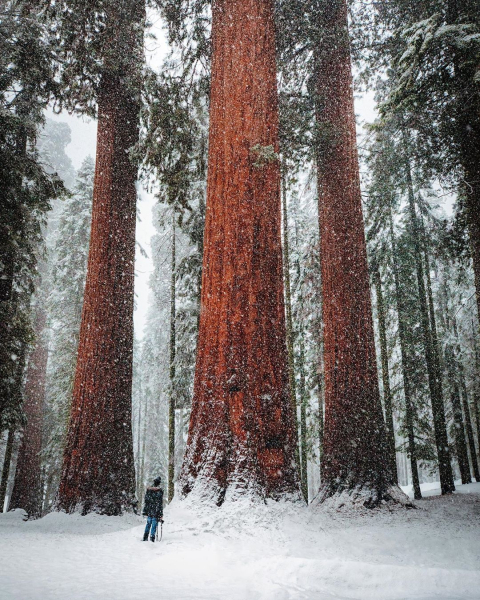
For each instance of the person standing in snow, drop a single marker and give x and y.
(153, 509)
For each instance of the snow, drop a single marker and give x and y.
(243, 551)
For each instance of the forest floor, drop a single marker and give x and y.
(246, 552)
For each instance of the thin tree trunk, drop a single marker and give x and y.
(26, 492)
(407, 386)
(303, 416)
(242, 436)
(144, 448)
(466, 409)
(460, 440)
(354, 442)
(476, 393)
(434, 377)
(171, 403)
(6, 467)
(387, 393)
(320, 423)
(469, 428)
(98, 468)
(139, 485)
(289, 317)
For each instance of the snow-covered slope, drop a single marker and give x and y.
(247, 552)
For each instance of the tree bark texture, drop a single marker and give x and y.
(27, 492)
(242, 437)
(354, 449)
(98, 469)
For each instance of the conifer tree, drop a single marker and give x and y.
(27, 492)
(355, 451)
(98, 470)
(69, 251)
(27, 84)
(241, 436)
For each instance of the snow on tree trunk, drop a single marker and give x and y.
(98, 470)
(355, 453)
(27, 493)
(241, 435)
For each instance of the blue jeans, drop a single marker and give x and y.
(151, 523)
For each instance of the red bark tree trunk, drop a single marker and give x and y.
(98, 469)
(242, 437)
(355, 454)
(27, 493)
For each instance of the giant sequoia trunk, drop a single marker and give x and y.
(27, 493)
(98, 470)
(354, 449)
(242, 436)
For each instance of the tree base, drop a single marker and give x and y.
(209, 492)
(342, 498)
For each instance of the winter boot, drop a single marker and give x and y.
(145, 537)
(152, 538)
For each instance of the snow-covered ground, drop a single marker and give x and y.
(246, 552)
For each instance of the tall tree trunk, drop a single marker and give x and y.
(320, 423)
(460, 440)
(7, 460)
(468, 132)
(242, 436)
(98, 469)
(139, 483)
(387, 392)
(289, 317)
(354, 441)
(433, 367)
(469, 428)
(303, 416)
(476, 391)
(407, 385)
(26, 492)
(144, 448)
(453, 372)
(465, 404)
(171, 401)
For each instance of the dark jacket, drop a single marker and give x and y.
(153, 506)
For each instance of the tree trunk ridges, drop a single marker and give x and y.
(242, 436)
(98, 469)
(354, 438)
(27, 493)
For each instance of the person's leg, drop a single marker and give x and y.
(147, 528)
(153, 531)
